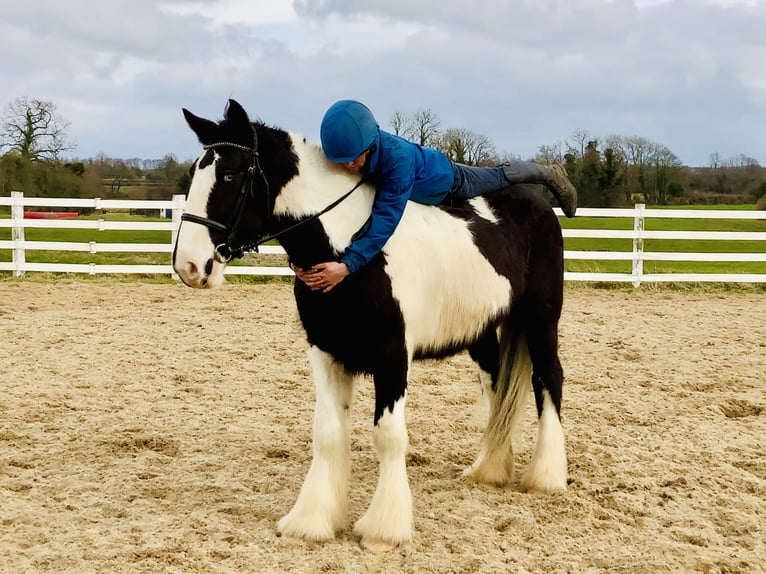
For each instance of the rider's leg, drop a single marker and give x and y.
(554, 177)
(471, 181)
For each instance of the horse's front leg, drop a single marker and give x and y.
(388, 521)
(320, 510)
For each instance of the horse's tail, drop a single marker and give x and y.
(512, 387)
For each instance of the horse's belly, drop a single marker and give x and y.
(447, 317)
(446, 289)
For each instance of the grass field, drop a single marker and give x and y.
(88, 235)
(668, 245)
(625, 245)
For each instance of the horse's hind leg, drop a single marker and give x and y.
(320, 510)
(486, 354)
(547, 470)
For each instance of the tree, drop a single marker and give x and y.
(34, 130)
(612, 177)
(581, 139)
(15, 174)
(551, 153)
(665, 165)
(398, 123)
(422, 127)
(467, 147)
(591, 175)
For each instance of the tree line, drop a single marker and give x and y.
(608, 172)
(34, 140)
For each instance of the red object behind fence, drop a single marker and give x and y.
(50, 214)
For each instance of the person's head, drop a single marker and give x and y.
(348, 132)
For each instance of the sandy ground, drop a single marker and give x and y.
(154, 428)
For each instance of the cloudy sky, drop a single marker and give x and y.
(687, 74)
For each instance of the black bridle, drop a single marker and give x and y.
(228, 250)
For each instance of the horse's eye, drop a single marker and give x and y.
(228, 178)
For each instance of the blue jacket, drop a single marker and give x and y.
(402, 171)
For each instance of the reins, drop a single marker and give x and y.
(226, 251)
(333, 205)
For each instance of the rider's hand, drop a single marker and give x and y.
(323, 276)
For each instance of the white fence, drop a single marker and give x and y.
(19, 246)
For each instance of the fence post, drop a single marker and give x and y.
(179, 202)
(17, 233)
(638, 243)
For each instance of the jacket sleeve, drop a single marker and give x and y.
(390, 201)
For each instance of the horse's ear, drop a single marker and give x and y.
(238, 123)
(205, 129)
(236, 114)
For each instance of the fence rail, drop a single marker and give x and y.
(19, 246)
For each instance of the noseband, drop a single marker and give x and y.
(228, 250)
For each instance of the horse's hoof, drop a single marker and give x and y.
(378, 546)
(488, 474)
(305, 529)
(535, 485)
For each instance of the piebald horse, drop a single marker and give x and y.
(486, 276)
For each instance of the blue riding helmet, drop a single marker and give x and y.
(348, 129)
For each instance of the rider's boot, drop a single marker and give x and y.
(554, 177)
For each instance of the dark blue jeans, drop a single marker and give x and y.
(471, 181)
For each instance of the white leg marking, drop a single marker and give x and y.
(487, 394)
(388, 522)
(320, 510)
(547, 471)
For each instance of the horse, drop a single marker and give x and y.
(484, 276)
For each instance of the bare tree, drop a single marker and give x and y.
(551, 153)
(32, 128)
(742, 160)
(638, 150)
(581, 139)
(464, 146)
(424, 127)
(398, 123)
(618, 146)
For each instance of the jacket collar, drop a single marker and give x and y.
(375, 155)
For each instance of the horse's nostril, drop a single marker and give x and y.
(208, 267)
(193, 272)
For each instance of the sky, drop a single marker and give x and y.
(686, 74)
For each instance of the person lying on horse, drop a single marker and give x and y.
(402, 170)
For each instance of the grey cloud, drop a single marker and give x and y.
(524, 72)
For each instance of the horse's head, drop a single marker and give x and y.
(229, 204)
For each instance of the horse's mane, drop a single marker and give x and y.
(320, 182)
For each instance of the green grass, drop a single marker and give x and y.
(668, 245)
(87, 235)
(574, 244)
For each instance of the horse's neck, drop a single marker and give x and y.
(318, 184)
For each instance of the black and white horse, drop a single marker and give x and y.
(486, 276)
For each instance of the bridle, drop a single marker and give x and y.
(228, 250)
